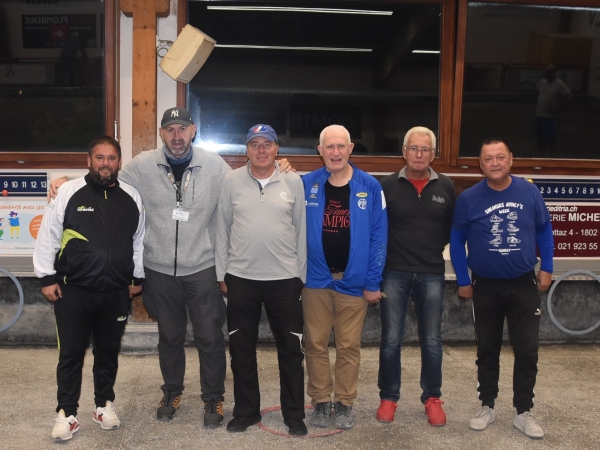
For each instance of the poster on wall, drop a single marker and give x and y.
(20, 222)
(53, 30)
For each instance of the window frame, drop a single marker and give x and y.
(78, 160)
(545, 166)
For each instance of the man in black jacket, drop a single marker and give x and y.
(88, 255)
(420, 206)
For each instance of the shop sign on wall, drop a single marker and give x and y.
(52, 30)
(576, 229)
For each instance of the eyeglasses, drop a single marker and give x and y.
(414, 150)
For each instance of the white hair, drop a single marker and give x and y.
(333, 127)
(419, 130)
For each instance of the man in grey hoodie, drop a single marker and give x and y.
(181, 185)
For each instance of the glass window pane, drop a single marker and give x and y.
(532, 77)
(374, 69)
(51, 75)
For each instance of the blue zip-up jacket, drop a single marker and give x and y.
(368, 234)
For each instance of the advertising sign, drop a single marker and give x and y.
(20, 222)
(576, 229)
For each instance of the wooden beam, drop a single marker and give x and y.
(144, 14)
(143, 130)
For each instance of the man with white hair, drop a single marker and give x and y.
(346, 224)
(420, 208)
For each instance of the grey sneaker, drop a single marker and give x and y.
(528, 425)
(483, 418)
(321, 414)
(343, 416)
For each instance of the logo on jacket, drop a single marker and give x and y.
(84, 208)
(313, 190)
(362, 203)
(361, 194)
(437, 199)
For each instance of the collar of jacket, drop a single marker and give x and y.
(274, 176)
(432, 174)
(96, 187)
(326, 174)
(197, 157)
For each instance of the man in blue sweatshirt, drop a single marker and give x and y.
(503, 220)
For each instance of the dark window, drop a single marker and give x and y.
(374, 70)
(51, 75)
(532, 76)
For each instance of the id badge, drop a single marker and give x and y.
(179, 214)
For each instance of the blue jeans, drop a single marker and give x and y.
(428, 292)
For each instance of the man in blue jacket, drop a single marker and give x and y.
(504, 221)
(346, 224)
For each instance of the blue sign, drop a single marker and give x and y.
(571, 190)
(24, 184)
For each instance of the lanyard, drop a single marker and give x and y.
(178, 190)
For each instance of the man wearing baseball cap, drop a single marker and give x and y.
(261, 259)
(180, 185)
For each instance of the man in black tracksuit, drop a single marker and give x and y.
(88, 254)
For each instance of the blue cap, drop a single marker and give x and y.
(261, 130)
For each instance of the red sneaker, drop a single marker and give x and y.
(386, 411)
(435, 413)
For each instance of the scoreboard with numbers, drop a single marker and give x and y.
(24, 184)
(569, 190)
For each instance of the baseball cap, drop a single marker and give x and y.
(176, 115)
(261, 130)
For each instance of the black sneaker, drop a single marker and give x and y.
(240, 424)
(321, 414)
(343, 415)
(296, 426)
(213, 413)
(167, 406)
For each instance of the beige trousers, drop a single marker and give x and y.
(324, 310)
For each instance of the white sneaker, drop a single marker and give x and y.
(483, 418)
(65, 426)
(528, 425)
(107, 417)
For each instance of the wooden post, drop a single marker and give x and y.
(144, 14)
(143, 128)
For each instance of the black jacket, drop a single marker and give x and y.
(91, 237)
(418, 225)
